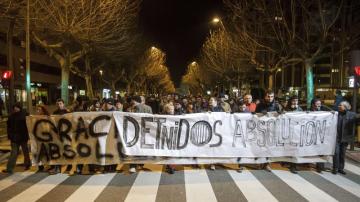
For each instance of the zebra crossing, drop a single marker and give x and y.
(185, 185)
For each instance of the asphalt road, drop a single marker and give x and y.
(187, 184)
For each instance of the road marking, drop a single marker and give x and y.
(39, 189)
(91, 188)
(251, 187)
(352, 168)
(13, 179)
(303, 187)
(145, 187)
(342, 182)
(198, 187)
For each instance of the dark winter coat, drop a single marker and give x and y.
(346, 127)
(16, 127)
(264, 107)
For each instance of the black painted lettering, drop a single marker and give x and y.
(217, 134)
(130, 119)
(187, 132)
(159, 122)
(99, 154)
(261, 140)
(81, 129)
(238, 134)
(201, 133)
(93, 123)
(144, 131)
(54, 151)
(83, 150)
(64, 127)
(69, 153)
(45, 135)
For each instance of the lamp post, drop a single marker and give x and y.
(277, 71)
(28, 81)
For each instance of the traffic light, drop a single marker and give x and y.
(5, 78)
(357, 70)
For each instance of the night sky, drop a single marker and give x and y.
(179, 28)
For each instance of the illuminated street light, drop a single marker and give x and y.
(216, 20)
(101, 72)
(193, 63)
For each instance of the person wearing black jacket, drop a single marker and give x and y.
(268, 105)
(316, 105)
(345, 135)
(293, 106)
(18, 136)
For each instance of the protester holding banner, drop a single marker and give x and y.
(268, 105)
(61, 110)
(109, 106)
(18, 136)
(316, 105)
(170, 110)
(293, 105)
(345, 135)
(214, 107)
(41, 110)
(140, 107)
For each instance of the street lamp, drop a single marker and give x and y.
(193, 63)
(101, 72)
(277, 71)
(216, 20)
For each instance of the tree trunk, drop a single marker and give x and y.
(65, 72)
(271, 81)
(88, 79)
(10, 62)
(128, 87)
(113, 89)
(309, 81)
(89, 88)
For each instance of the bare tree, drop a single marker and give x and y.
(286, 32)
(71, 29)
(151, 74)
(196, 78)
(221, 57)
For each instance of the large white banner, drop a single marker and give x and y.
(113, 137)
(228, 135)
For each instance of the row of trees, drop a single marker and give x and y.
(261, 36)
(86, 36)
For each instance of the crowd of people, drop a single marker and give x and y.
(178, 105)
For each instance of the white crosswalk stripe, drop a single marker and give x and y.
(352, 168)
(342, 182)
(13, 179)
(198, 187)
(145, 187)
(303, 187)
(91, 188)
(251, 187)
(41, 188)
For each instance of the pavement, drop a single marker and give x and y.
(187, 184)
